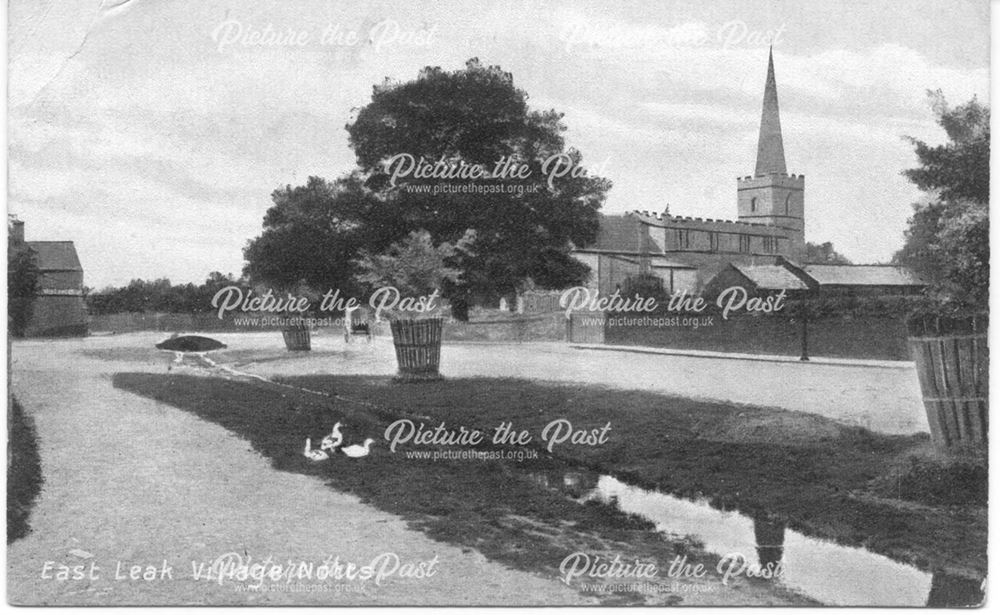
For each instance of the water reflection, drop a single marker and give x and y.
(575, 484)
(769, 534)
(948, 590)
(825, 571)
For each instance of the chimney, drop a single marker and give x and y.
(15, 230)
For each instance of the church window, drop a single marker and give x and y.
(713, 241)
(787, 201)
(745, 243)
(753, 204)
(683, 238)
(770, 245)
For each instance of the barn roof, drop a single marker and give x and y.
(771, 277)
(55, 255)
(862, 275)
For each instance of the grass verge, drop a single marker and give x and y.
(24, 472)
(811, 474)
(815, 475)
(501, 509)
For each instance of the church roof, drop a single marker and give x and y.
(671, 221)
(623, 234)
(55, 255)
(862, 275)
(659, 262)
(771, 277)
(770, 149)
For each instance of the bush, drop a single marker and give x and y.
(24, 472)
(645, 285)
(22, 287)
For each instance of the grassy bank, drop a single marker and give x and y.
(809, 473)
(24, 472)
(506, 510)
(822, 478)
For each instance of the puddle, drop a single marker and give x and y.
(824, 571)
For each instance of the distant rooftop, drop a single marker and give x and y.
(771, 277)
(863, 275)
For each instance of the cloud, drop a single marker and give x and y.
(136, 136)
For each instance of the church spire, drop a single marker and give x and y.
(770, 150)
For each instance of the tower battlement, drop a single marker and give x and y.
(790, 179)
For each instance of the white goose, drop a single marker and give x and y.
(315, 455)
(358, 450)
(333, 440)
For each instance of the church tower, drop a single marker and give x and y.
(772, 196)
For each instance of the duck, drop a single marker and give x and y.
(358, 450)
(333, 440)
(315, 455)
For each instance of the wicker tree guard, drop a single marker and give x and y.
(297, 337)
(953, 362)
(418, 348)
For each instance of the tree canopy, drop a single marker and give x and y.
(310, 235)
(947, 241)
(414, 266)
(960, 168)
(159, 296)
(824, 253)
(524, 224)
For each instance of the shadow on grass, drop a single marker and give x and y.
(814, 474)
(805, 471)
(24, 472)
(498, 508)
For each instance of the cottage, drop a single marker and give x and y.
(58, 308)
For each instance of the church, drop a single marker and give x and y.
(769, 232)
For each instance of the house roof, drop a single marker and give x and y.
(55, 255)
(771, 277)
(862, 275)
(622, 234)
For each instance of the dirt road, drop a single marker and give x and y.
(884, 399)
(129, 481)
(133, 481)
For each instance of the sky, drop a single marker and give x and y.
(153, 133)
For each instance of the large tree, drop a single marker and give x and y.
(311, 234)
(525, 226)
(959, 169)
(947, 241)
